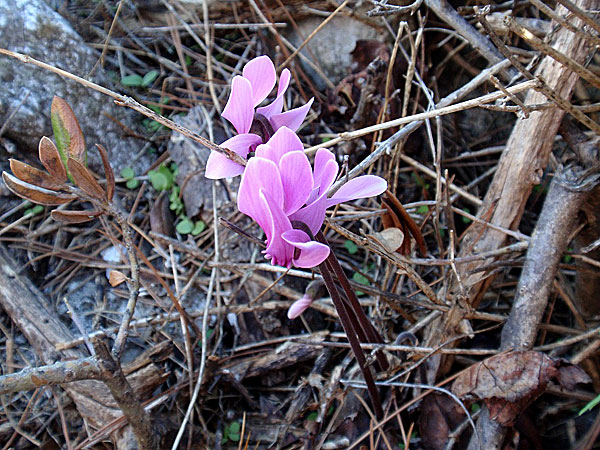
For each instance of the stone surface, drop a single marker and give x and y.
(33, 28)
(332, 45)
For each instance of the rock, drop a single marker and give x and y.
(191, 158)
(332, 45)
(31, 27)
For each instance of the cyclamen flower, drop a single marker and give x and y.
(279, 186)
(247, 92)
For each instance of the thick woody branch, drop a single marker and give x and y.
(114, 378)
(51, 375)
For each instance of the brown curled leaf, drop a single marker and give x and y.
(35, 194)
(75, 216)
(83, 178)
(405, 218)
(50, 158)
(31, 175)
(115, 278)
(509, 382)
(108, 173)
(67, 132)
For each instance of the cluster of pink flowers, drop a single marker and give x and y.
(279, 186)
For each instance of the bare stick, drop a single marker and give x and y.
(449, 15)
(52, 375)
(121, 390)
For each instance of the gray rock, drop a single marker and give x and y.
(191, 159)
(33, 28)
(332, 45)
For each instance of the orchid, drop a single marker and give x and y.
(279, 187)
(254, 125)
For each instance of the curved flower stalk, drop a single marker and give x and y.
(279, 186)
(254, 125)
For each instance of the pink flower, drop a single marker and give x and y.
(299, 306)
(279, 186)
(247, 92)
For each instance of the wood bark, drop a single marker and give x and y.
(520, 168)
(39, 323)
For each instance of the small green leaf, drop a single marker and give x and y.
(466, 219)
(159, 181)
(37, 209)
(590, 405)
(132, 80)
(423, 209)
(234, 427)
(312, 416)
(475, 407)
(132, 183)
(567, 259)
(127, 173)
(199, 227)
(185, 226)
(360, 279)
(351, 246)
(149, 78)
(188, 60)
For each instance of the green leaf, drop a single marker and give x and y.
(37, 209)
(590, 405)
(186, 226)
(127, 173)
(475, 407)
(132, 80)
(133, 183)
(312, 416)
(188, 60)
(351, 246)
(159, 181)
(199, 227)
(360, 279)
(423, 209)
(466, 219)
(149, 78)
(234, 427)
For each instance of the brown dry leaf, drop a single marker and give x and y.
(439, 416)
(31, 175)
(509, 382)
(115, 278)
(50, 158)
(67, 131)
(108, 173)
(391, 238)
(399, 218)
(75, 216)
(34, 193)
(84, 179)
(161, 217)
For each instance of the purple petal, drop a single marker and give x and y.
(321, 158)
(297, 180)
(328, 176)
(312, 215)
(311, 253)
(299, 306)
(261, 74)
(279, 251)
(260, 174)
(277, 105)
(292, 118)
(360, 187)
(239, 109)
(283, 141)
(219, 166)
